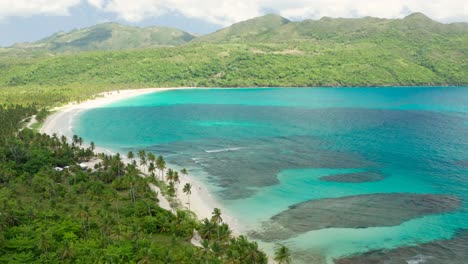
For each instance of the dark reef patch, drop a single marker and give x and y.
(357, 177)
(462, 163)
(360, 211)
(453, 251)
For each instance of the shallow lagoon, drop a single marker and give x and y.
(261, 151)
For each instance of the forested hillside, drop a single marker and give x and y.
(265, 51)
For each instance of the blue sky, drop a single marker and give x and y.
(31, 20)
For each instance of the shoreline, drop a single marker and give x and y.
(60, 122)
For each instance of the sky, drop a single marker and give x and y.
(31, 20)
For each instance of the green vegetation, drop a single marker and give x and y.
(53, 214)
(247, 30)
(267, 51)
(109, 214)
(282, 255)
(108, 36)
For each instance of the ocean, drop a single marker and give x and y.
(345, 175)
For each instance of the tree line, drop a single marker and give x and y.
(106, 213)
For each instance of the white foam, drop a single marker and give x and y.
(221, 150)
(418, 259)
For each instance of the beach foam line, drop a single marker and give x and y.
(222, 150)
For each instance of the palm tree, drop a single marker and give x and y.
(206, 229)
(75, 139)
(118, 161)
(216, 218)
(142, 156)
(188, 190)
(175, 177)
(151, 157)
(254, 255)
(184, 171)
(130, 155)
(171, 189)
(161, 165)
(282, 254)
(151, 168)
(92, 145)
(224, 232)
(206, 251)
(170, 175)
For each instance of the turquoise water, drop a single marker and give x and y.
(261, 151)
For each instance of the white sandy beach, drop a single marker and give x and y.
(201, 201)
(61, 121)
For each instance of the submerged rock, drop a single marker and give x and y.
(357, 177)
(360, 211)
(453, 251)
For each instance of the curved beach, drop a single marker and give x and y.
(295, 165)
(61, 123)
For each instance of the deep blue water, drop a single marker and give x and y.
(262, 150)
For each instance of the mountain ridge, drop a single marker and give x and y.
(265, 51)
(109, 36)
(270, 28)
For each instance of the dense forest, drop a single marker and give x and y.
(261, 52)
(105, 214)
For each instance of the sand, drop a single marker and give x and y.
(202, 202)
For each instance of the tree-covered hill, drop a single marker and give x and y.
(109, 36)
(266, 51)
(246, 30)
(276, 29)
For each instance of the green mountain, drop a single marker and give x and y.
(276, 29)
(246, 30)
(110, 36)
(265, 51)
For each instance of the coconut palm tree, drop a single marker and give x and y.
(282, 255)
(224, 232)
(142, 156)
(63, 139)
(216, 218)
(151, 168)
(206, 229)
(184, 171)
(170, 175)
(151, 157)
(171, 189)
(188, 190)
(254, 255)
(175, 177)
(161, 165)
(130, 155)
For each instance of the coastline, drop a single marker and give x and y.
(202, 202)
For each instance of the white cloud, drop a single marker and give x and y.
(33, 7)
(230, 11)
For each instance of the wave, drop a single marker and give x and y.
(418, 259)
(197, 160)
(221, 150)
